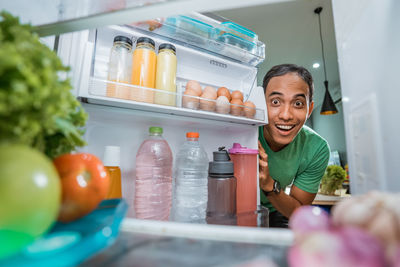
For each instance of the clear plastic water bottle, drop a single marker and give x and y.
(190, 181)
(153, 183)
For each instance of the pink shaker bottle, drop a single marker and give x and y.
(245, 171)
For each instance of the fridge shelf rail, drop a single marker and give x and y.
(148, 99)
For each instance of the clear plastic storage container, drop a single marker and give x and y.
(188, 28)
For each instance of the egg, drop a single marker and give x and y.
(249, 109)
(237, 94)
(195, 86)
(210, 91)
(223, 105)
(223, 91)
(190, 99)
(235, 108)
(205, 104)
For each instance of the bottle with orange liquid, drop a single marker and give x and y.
(111, 163)
(119, 67)
(143, 70)
(245, 170)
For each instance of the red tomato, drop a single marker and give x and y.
(84, 182)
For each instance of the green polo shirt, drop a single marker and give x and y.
(302, 162)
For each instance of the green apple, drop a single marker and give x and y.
(30, 196)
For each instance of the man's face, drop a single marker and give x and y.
(287, 98)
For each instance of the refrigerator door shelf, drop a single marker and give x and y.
(142, 98)
(201, 35)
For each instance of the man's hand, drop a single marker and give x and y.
(284, 203)
(266, 182)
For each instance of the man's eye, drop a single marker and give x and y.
(275, 101)
(299, 104)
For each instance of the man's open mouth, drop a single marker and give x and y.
(284, 127)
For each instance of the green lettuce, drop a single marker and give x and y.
(37, 107)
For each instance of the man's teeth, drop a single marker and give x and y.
(285, 127)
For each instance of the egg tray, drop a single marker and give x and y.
(211, 105)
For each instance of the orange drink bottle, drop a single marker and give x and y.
(112, 162)
(119, 67)
(143, 70)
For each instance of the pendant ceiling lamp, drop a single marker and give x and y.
(328, 106)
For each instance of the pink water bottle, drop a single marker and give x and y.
(153, 183)
(245, 170)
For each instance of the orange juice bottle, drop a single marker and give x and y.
(111, 162)
(143, 70)
(119, 67)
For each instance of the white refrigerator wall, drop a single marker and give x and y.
(368, 43)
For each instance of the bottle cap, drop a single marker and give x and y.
(145, 40)
(124, 39)
(221, 164)
(192, 135)
(238, 149)
(167, 46)
(155, 130)
(111, 156)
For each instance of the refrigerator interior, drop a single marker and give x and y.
(125, 123)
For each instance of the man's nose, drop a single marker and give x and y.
(286, 113)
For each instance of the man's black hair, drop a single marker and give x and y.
(283, 69)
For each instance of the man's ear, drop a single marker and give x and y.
(310, 109)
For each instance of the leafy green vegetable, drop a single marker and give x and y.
(37, 107)
(332, 179)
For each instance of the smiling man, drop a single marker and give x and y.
(290, 152)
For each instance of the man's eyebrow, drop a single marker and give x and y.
(300, 95)
(279, 93)
(274, 93)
